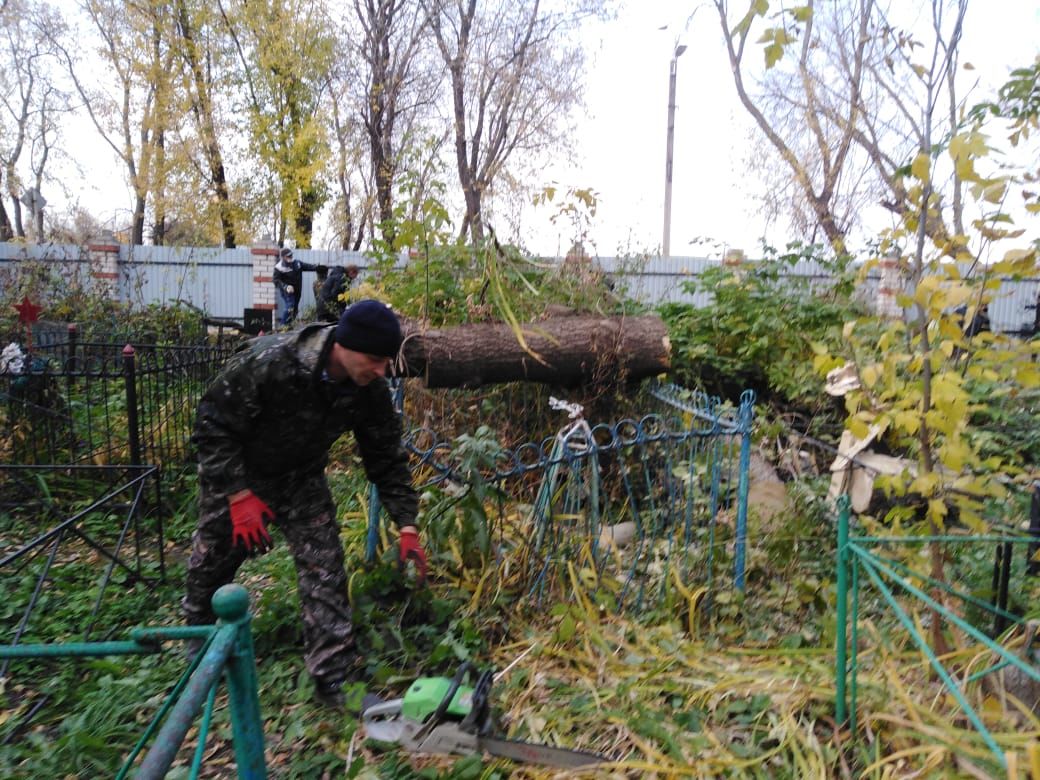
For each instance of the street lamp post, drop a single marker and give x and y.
(666, 239)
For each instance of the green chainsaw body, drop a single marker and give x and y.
(425, 695)
(439, 715)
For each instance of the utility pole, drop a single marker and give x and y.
(666, 239)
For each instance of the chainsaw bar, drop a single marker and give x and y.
(538, 754)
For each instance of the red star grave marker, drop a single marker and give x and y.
(28, 313)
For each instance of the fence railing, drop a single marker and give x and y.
(905, 592)
(630, 501)
(66, 522)
(220, 281)
(77, 402)
(226, 652)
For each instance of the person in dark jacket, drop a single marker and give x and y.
(288, 280)
(321, 273)
(263, 433)
(329, 299)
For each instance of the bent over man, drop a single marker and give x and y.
(263, 433)
(328, 299)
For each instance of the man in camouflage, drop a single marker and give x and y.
(263, 433)
(328, 298)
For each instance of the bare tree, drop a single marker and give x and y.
(813, 143)
(914, 93)
(840, 104)
(135, 111)
(197, 31)
(355, 201)
(17, 98)
(29, 104)
(47, 129)
(513, 78)
(398, 87)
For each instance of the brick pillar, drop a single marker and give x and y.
(889, 286)
(265, 255)
(734, 257)
(104, 264)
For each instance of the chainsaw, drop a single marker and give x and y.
(445, 715)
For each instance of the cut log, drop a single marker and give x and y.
(568, 352)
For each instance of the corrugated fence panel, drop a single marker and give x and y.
(657, 279)
(220, 281)
(66, 263)
(52, 252)
(1013, 308)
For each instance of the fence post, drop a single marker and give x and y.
(374, 505)
(231, 605)
(746, 413)
(264, 255)
(841, 638)
(104, 264)
(1032, 565)
(889, 287)
(69, 371)
(130, 381)
(230, 650)
(1001, 578)
(70, 363)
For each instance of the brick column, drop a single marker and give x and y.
(889, 286)
(265, 255)
(104, 264)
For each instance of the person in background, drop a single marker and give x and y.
(321, 273)
(263, 432)
(288, 280)
(329, 299)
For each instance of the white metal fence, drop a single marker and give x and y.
(219, 281)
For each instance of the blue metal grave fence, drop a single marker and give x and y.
(624, 507)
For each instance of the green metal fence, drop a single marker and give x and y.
(226, 650)
(867, 561)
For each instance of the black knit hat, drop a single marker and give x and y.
(371, 327)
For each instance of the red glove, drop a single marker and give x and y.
(248, 513)
(410, 548)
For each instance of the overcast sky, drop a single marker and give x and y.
(623, 138)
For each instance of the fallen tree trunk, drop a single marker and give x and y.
(567, 352)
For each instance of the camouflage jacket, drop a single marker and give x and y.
(272, 414)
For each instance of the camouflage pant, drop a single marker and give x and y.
(306, 517)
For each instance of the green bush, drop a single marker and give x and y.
(758, 331)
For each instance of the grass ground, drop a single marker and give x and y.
(745, 690)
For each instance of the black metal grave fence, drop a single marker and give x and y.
(86, 430)
(66, 535)
(75, 402)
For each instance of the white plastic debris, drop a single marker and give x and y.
(12, 359)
